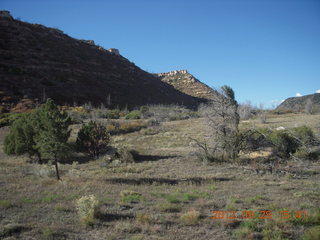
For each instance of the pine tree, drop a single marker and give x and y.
(52, 133)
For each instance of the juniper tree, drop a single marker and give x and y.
(20, 140)
(93, 138)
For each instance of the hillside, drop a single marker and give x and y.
(298, 104)
(38, 62)
(183, 81)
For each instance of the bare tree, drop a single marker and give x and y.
(246, 110)
(308, 107)
(222, 121)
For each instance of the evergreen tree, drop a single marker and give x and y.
(43, 133)
(52, 133)
(21, 137)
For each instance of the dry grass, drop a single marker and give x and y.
(154, 198)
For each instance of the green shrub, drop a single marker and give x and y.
(112, 114)
(7, 119)
(93, 138)
(284, 144)
(304, 134)
(135, 114)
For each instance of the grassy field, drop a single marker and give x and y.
(167, 194)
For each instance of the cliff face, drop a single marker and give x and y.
(299, 104)
(183, 81)
(38, 62)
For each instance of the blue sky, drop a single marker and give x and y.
(266, 51)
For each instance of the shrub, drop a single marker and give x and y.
(135, 114)
(126, 156)
(78, 117)
(93, 138)
(113, 114)
(21, 137)
(284, 143)
(252, 140)
(304, 134)
(125, 127)
(191, 217)
(87, 208)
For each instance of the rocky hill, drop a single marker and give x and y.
(37, 62)
(299, 104)
(183, 81)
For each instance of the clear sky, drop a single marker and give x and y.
(266, 50)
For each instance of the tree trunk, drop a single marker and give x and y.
(57, 170)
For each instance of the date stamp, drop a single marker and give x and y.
(262, 214)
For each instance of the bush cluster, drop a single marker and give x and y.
(297, 141)
(93, 138)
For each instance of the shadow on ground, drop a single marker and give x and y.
(141, 181)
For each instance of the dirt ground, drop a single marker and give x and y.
(170, 193)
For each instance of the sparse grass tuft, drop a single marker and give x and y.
(5, 204)
(143, 218)
(313, 218)
(50, 197)
(184, 197)
(128, 196)
(87, 207)
(169, 207)
(312, 233)
(191, 217)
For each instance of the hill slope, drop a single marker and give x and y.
(183, 81)
(38, 62)
(299, 103)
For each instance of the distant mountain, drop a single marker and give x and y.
(183, 81)
(37, 62)
(298, 104)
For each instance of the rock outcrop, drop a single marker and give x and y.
(183, 81)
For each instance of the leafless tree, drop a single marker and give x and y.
(308, 107)
(246, 110)
(222, 119)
